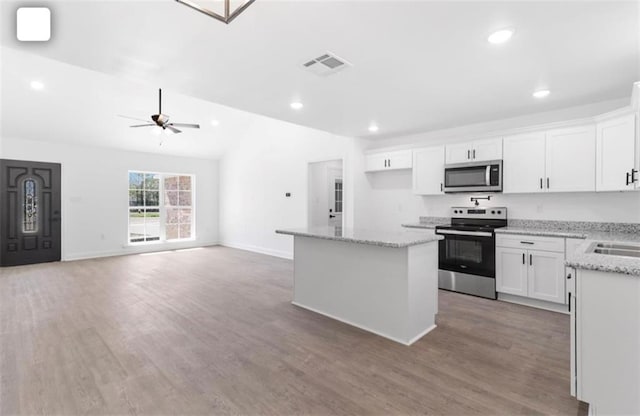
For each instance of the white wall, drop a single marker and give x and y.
(269, 160)
(391, 195)
(95, 197)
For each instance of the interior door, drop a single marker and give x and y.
(30, 227)
(335, 197)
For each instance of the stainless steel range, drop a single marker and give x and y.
(467, 255)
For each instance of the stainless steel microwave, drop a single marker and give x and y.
(473, 177)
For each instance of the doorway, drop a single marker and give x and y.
(30, 222)
(325, 197)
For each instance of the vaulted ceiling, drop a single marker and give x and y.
(417, 65)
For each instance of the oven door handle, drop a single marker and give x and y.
(470, 233)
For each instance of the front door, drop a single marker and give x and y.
(335, 197)
(29, 212)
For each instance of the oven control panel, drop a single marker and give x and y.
(498, 213)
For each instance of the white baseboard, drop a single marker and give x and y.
(534, 303)
(136, 250)
(364, 328)
(258, 249)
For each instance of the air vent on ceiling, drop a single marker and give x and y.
(326, 64)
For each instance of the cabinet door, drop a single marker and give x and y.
(511, 271)
(459, 153)
(487, 149)
(615, 153)
(428, 170)
(546, 276)
(402, 159)
(570, 161)
(375, 162)
(524, 163)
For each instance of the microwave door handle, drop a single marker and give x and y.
(487, 175)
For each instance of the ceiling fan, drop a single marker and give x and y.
(162, 120)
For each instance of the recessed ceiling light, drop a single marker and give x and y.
(297, 105)
(37, 85)
(541, 93)
(373, 128)
(500, 36)
(215, 123)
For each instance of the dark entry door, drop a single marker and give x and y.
(29, 212)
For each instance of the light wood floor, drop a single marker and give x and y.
(211, 331)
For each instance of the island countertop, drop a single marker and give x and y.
(382, 238)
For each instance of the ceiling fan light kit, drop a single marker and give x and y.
(228, 15)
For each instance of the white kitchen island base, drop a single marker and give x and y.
(390, 291)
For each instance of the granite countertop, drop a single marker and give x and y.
(584, 258)
(428, 223)
(382, 238)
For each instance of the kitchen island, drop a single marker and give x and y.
(382, 282)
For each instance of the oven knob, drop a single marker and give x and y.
(455, 211)
(493, 212)
(499, 212)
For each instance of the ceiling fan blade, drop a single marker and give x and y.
(173, 129)
(133, 118)
(191, 126)
(142, 125)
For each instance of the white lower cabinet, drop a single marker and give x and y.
(524, 270)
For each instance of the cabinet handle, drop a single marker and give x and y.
(468, 154)
(633, 175)
(540, 183)
(474, 153)
(523, 260)
(547, 183)
(441, 187)
(569, 300)
(389, 161)
(385, 163)
(628, 177)
(530, 259)
(526, 242)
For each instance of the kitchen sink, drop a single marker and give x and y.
(616, 249)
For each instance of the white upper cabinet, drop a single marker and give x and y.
(524, 163)
(478, 151)
(428, 171)
(615, 154)
(570, 159)
(487, 149)
(400, 159)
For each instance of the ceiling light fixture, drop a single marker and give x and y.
(37, 85)
(215, 123)
(373, 128)
(297, 105)
(500, 36)
(226, 17)
(541, 93)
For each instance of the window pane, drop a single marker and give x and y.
(152, 198)
(173, 215)
(184, 198)
(185, 230)
(135, 180)
(185, 183)
(171, 198)
(152, 224)
(171, 183)
(185, 216)
(173, 231)
(136, 198)
(151, 181)
(136, 225)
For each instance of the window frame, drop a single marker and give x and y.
(162, 207)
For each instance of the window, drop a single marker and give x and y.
(160, 207)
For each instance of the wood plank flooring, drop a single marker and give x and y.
(211, 331)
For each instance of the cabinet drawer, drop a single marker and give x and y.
(527, 242)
